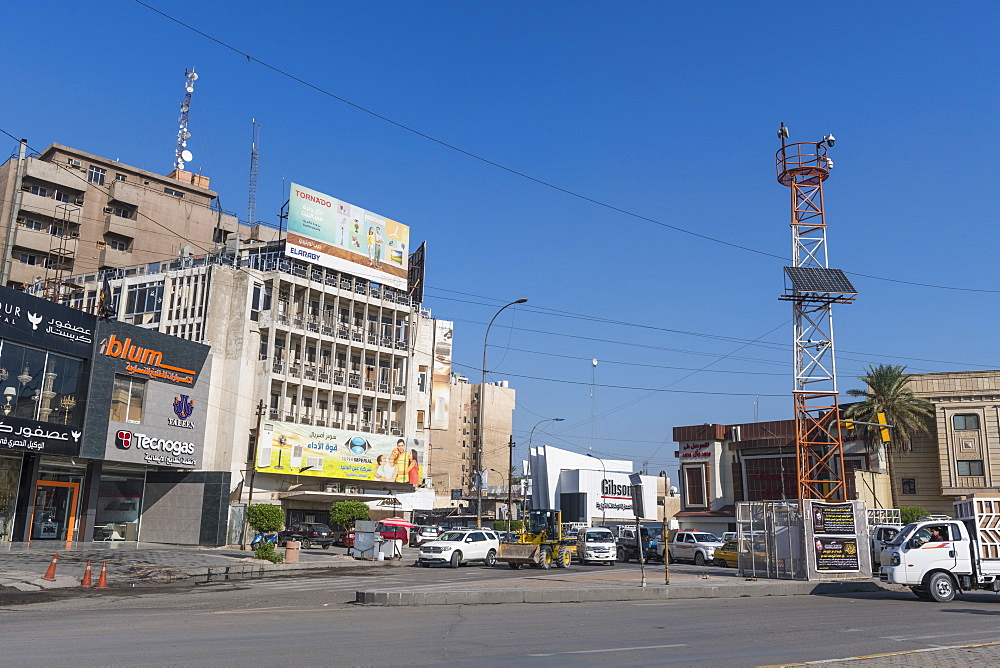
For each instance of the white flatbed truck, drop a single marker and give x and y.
(937, 558)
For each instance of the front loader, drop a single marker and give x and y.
(540, 544)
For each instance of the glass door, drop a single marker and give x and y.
(54, 514)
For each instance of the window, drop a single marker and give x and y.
(121, 177)
(422, 379)
(96, 175)
(420, 419)
(45, 387)
(965, 421)
(909, 485)
(175, 193)
(970, 467)
(62, 196)
(694, 485)
(146, 298)
(57, 230)
(38, 190)
(122, 212)
(118, 244)
(32, 224)
(257, 302)
(31, 258)
(127, 399)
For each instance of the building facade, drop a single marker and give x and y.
(72, 213)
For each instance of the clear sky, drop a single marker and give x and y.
(666, 110)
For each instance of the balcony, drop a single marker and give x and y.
(126, 193)
(56, 174)
(124, 227)
(109, 257)
(43, 241)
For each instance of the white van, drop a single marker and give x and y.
(596, 545)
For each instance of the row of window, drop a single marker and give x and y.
(58, 195)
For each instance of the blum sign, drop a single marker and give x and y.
(144, 361)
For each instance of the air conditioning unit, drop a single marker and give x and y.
(108, 209)
(316, 463)
(101, 244)
(74, 163)
(79, 201)
(21, 221)
(25, 187)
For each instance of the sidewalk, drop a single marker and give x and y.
(22, 565)
(582, 584)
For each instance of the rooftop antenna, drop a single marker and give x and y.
(252, 194)
(182, 155)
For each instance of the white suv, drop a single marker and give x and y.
(460, 546)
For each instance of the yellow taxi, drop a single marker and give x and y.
(727, 556)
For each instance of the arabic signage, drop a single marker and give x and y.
(146, 353)
(296, 449)
(834, 537)
(45, 324)
(836, 555)
(335, 234)
(441, 374)
(696, 452)
(42, 437)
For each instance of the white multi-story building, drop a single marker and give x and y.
(326, 354)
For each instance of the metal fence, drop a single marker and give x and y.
(771, 540)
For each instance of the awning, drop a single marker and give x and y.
(330, 497)
(397, 522)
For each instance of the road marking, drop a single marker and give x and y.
(884, 654)
(940, 635)
(245, 611)
(610, 649)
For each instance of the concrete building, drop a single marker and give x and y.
(962, 456)
(69, 212)
(453, 449)
(328, 356)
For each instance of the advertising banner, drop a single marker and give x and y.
(40, 437)
(834, 537)
(836, 555)
(338, 235)
(836, 519)
(297, 449)
(441, 377)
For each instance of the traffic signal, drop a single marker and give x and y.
(883, 430)
(847, 424)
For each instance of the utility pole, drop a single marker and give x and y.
(252, 466)
(510, 486)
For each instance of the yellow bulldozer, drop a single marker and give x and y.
(540, 544)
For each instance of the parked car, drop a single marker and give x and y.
(727, 555)
(309, 534)
(421, 535)
(390, 532)
(596, 545)
(696, 546)
(461, 546)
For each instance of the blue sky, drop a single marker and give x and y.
(666, 110)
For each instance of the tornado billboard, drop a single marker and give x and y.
(338, 235)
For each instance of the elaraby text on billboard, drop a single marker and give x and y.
(341, 236)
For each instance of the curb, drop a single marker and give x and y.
(603, 594)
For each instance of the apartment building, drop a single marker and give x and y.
(68, 212)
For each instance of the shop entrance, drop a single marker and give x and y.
(54, 514)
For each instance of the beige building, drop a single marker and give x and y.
(454, 450)
(963, 455)
(69, 212)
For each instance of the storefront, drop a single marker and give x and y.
(45, 366)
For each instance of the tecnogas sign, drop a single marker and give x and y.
(163, 451)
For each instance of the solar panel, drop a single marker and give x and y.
(820, 279)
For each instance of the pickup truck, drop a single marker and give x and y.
(695, 546)
(936, 558)
(628, 547)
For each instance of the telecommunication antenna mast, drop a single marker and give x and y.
(815, 288)
(252, 194)
(181, 154)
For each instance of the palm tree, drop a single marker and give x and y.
(889, 393)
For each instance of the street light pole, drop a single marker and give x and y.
(604, 469)
(530, 436)
(482, 427)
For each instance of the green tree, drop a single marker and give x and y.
(888, 392)
(911, 514)
(265, 517)
(501, 525)
(346, 513)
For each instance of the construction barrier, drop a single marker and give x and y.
(50, 574)
(102, 581)
(85, 582)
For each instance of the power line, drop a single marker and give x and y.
(253, 59)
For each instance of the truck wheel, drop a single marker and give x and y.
(546, 558)
(921, 592)
(456, 559)
(699, 559)
(622, 556)
(941, 587)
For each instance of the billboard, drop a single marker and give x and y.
(298, 449)
(338, 235)
(441, 376)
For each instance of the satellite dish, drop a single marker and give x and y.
(189, 88)
(186, 156)
(192, 76)
(185, 106)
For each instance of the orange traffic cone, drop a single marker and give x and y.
(85, 582)
(102, 581)
(51, 573)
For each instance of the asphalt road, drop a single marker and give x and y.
(304, 620)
